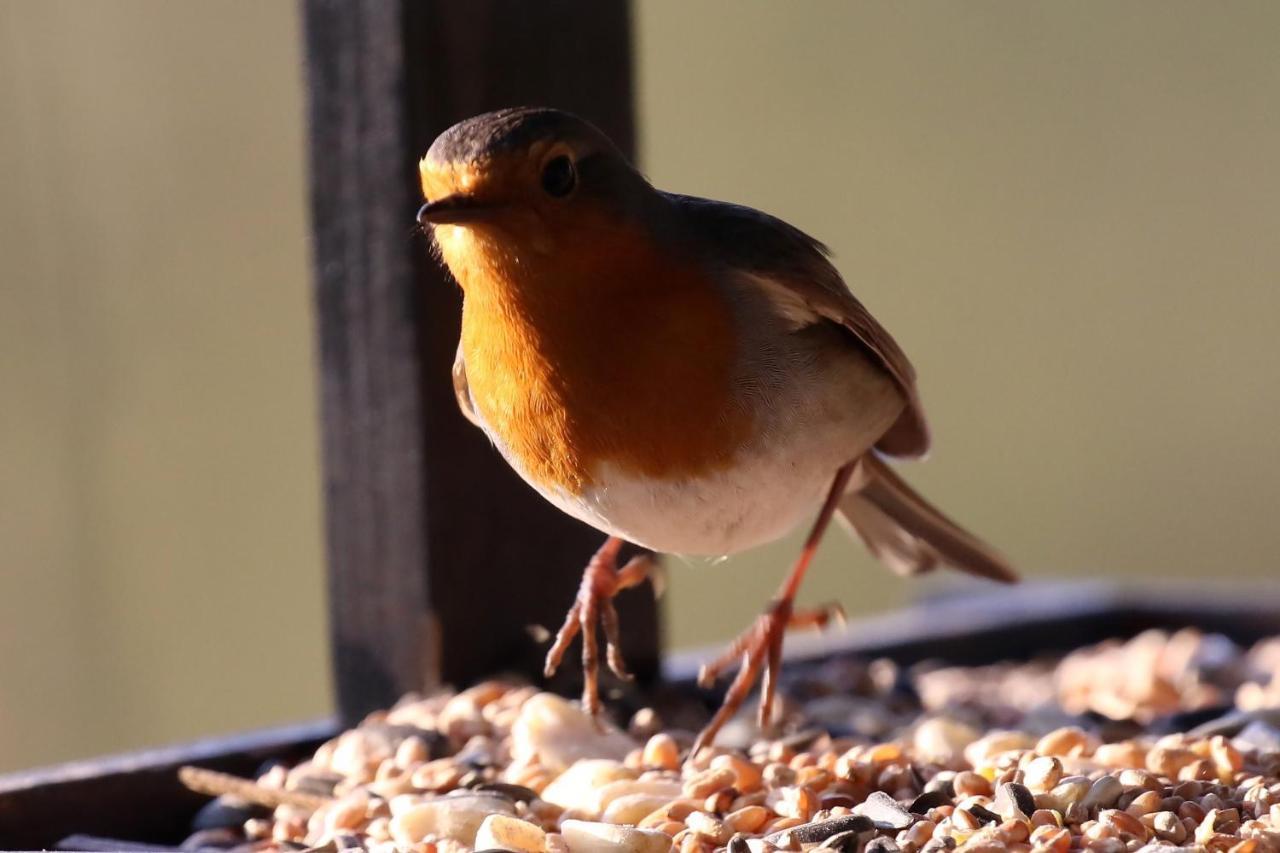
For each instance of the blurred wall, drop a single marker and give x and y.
(1066, 214)
(160, 535)
(1069, 216)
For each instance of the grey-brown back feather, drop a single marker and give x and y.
(747, 240)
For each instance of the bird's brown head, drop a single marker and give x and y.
(523, 182)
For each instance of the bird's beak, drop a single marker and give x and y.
(452, 210)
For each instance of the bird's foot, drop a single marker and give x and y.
(759, 647)
(602, 580)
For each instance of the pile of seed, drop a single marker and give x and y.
(868, 758)
(1151, 676)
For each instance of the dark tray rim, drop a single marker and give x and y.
(938, 627)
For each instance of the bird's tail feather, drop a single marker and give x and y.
(909, 534)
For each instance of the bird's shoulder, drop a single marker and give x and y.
(795, 272)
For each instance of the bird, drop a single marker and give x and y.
(687, 375)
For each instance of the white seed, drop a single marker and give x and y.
(942, 741)
(1067, 793)
(458, 818)
(1042, 774)
(589, 837)
(1104, 793)
(556, 732)
(983, 750)
(633, 808)
(664, 789)
(577, 787)
(499, 832)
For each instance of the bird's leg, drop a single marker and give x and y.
(601, 581)
(760, 646)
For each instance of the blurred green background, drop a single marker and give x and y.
(1066, 213)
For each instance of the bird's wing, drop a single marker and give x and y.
(462, 390)
(795, 270)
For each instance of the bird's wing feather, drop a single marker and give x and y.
(798, 271)
(462, 390)
(910, 534)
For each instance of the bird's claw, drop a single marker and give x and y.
(601, 582)
(759, 647)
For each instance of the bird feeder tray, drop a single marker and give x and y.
(138, 797)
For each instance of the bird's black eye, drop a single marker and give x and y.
(559, 177)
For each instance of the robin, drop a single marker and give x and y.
(688, 375)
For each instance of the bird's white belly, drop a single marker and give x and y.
(760, 497)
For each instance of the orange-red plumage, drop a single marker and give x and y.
(560, 376)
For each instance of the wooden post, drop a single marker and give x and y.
(439, 557)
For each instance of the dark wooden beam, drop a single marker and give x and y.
(439, 557)
(367, 310)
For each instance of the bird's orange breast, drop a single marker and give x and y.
(614, 354)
